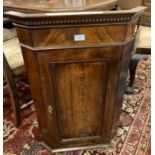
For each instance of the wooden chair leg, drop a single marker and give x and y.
(13, 91)
(132, 70)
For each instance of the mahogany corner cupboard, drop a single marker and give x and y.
(77, 61)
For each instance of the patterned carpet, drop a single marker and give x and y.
(133, 132)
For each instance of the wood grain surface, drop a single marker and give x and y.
(77, 86)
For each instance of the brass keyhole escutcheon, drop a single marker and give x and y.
(50, 109)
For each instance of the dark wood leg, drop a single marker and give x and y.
(13, 92)
(132, 70)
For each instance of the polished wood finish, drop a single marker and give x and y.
(77, 85)
(145, 20)
(57, 5)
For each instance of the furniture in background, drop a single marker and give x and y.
(142, 44)
(141, 52)
(145, 20)
(13, 65)
(12, 60)
(77, 67)
(142, 37)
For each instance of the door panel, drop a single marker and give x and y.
(79, 108)
(79, 86)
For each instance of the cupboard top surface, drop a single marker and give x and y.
(57, 5)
